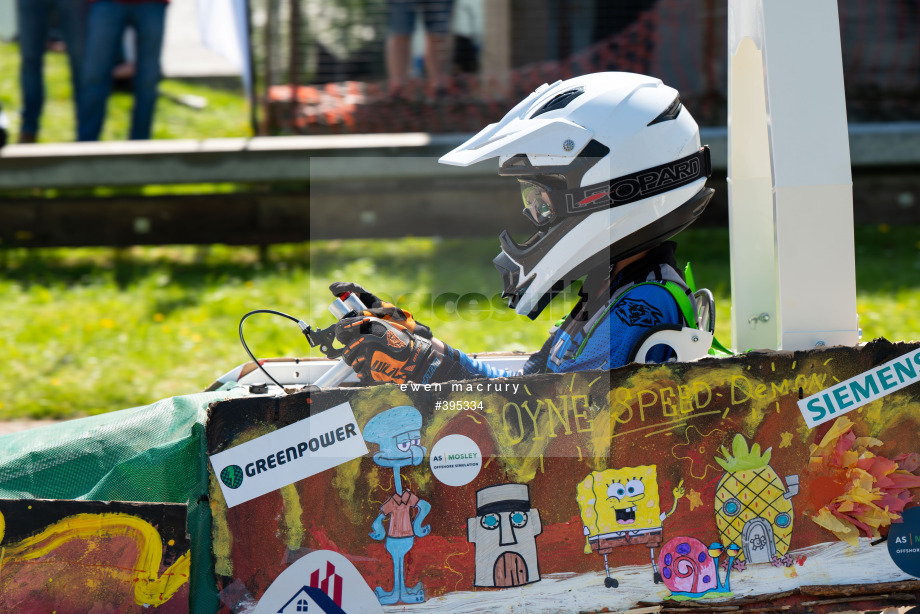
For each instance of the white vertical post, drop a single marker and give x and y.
(790, 189)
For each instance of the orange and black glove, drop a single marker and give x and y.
(381, 351)
(383, 310)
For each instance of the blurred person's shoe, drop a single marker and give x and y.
(123, 85)
(440, 96)
(26, 138)
(397, 94)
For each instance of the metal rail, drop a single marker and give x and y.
(299, 158)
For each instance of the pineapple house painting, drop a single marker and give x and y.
(753, 507)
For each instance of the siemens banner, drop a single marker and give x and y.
(860, 390)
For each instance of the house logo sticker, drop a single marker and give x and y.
(310, 599)
(331, 583)
(322, 582)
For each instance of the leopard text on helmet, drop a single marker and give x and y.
(609, 164)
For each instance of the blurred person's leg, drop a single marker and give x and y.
(581, 20)
(437, 30)
(397, 62)
(32, 24)
(104, 26)
(72, 22)
(149, 20)
(400, 23)
(4, 127)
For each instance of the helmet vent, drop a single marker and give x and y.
(668, 114)
(559, 101)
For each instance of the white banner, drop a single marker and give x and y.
(288, 455)
(860, 390)
(224, 30)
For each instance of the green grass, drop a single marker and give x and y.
(226, 115)
(888, 282)
(87, 331)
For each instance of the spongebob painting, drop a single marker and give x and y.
(621, 507)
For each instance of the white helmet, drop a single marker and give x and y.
(610, 164)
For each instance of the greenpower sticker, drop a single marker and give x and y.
(288, 455)
(232, 476)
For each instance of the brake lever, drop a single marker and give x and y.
(324, 338)
(341, 307)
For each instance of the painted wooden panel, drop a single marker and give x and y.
(644, 485)
(93, 556)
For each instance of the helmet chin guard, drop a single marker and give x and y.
(610, 165)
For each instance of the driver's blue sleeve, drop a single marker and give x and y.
(608, 345)
(476, 368)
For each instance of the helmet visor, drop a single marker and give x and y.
(538, 208)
